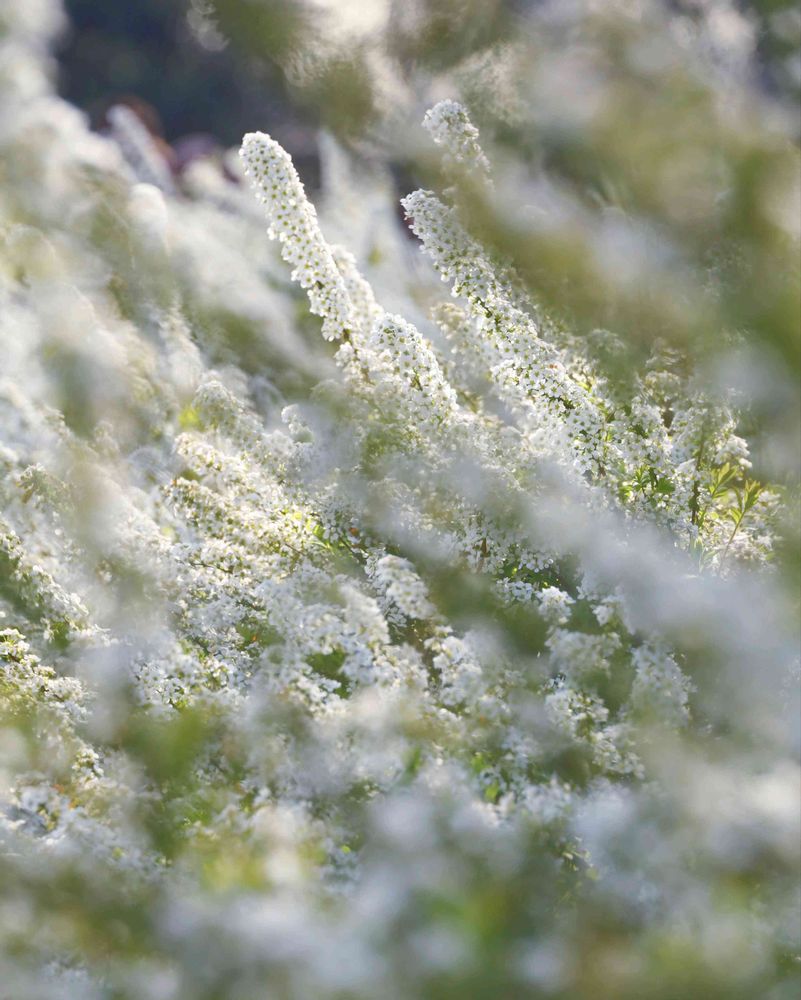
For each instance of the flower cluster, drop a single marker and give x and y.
(450, 127)
(293, 222)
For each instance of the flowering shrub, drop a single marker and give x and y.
(452, 657)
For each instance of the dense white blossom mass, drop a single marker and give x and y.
(436, 662)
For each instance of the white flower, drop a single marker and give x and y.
(293, 222)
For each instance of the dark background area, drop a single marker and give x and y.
(148, 50)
